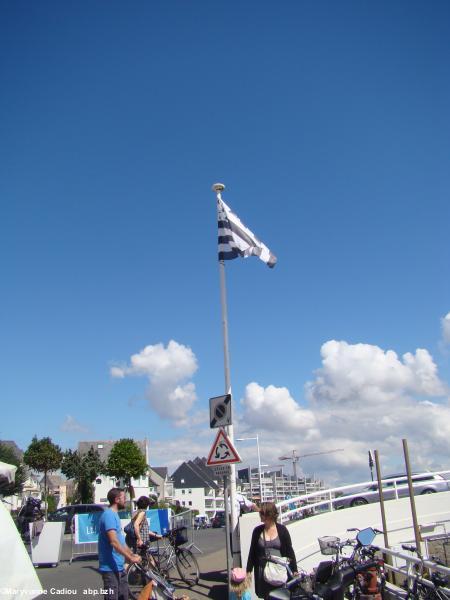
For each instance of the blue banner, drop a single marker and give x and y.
(86, 528)
(158, 520)
(87, 525)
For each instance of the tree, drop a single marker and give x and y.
(43, 456)
(83, 468)
(8, 456)
(126, 461)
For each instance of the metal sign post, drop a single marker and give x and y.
(218, 189)
(387, 558)
(417, 535)
(227, 527)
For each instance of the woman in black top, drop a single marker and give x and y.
(268, 538)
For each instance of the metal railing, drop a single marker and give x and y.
(409, 573)
(325, 500)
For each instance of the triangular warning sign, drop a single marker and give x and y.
(222, 452)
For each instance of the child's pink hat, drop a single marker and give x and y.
(238, 575)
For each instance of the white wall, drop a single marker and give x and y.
(431, 509)
(101, 489)
(191, 498)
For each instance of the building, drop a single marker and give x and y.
(276, 486)
(194, 488)
(104, 483)
(59, 487)
(160, 483)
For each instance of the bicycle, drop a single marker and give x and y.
(419, 588)
(368, 582)
(170, 556)
(138, 576)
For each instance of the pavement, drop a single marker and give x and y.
(81, 580)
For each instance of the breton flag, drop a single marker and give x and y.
(236, 240)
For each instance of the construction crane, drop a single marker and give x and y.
(294, 457)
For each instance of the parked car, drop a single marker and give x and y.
(422, 483)
(67, 513)
(218, 520)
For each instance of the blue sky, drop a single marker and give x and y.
(329, 124)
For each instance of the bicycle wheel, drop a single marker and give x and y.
(136, 579)
(187, 567)
(165, 563)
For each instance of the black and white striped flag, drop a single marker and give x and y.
(236, 240)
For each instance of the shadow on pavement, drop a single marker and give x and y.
(204, 589)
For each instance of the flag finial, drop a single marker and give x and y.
(218, 187)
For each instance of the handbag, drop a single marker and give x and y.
(129, 529)
(274, 573)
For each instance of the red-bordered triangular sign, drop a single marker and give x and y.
(222, 452)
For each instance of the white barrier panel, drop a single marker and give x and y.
(46, 548)
(433, 511)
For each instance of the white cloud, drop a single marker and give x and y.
(362, 398)
(273, 407)
(167, 369)
(356, 373)
(445, 324)
(70, 424)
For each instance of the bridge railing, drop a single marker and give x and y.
(326, 500)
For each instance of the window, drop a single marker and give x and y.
(190, 502)
(189, 491)
(183, 491)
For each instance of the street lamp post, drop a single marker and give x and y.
(259, 462)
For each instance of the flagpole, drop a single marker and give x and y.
(218, 188)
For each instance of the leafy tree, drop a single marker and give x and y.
(83, 468)
(8, 455)
(50, 502)
(126, 461)
(43, 456)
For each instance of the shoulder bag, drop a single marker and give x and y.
(274, 574)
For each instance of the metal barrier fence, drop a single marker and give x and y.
(85, 549)
(183, 519)
(186, 519)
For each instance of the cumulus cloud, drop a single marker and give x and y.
(445, 325)
(71, 425)
(362, 397)
(168, 370)
(364, 373)
(270, 407)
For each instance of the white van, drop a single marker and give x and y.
(201, 522)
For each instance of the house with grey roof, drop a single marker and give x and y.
(196, 489)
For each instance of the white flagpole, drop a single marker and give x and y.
(218, 188)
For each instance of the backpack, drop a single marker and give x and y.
(130, 534)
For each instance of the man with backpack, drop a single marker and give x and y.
(112, 550)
